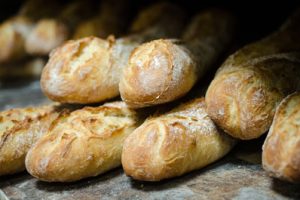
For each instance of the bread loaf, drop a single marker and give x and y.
(281, 150)
(164, 70)
(20, 128)
(50, 33)
(88, 70)
(243, 96)
(85, 143)
(175, 143)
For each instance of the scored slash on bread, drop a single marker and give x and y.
(174, 143)
(281, 150)
(20, 128)
(84, 143)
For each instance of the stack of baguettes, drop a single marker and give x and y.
(148, 68)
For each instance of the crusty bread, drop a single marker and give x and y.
(164, 70)
(243, 96)
(175, 143)
(85, 143)
(88, 70)
(281, 150)
(20, 128)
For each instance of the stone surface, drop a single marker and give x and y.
(238, 176)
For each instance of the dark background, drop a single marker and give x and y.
(255, 18)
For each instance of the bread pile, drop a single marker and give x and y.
(159, 61)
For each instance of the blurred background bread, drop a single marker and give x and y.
(281, 150)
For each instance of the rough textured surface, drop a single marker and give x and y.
(238, 176)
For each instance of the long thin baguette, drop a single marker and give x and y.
(85, 143)
(88, 70)
(50, 33)
(164, 70)
(20, 128)
(281, 150)
(175, 143)
(243, 96)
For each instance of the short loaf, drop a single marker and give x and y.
(85, 143)
(175, 143)
(164, 70)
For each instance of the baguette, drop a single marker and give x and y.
(20, 128)
(245, 91)
(281, 149)
(85, 143)
(161, 71)
(113, 19)
(175, 143)
(88, 70)
(50, 33)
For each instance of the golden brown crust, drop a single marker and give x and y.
(81, 71)
(164, 70)
(281, 149)
(173, 144)
(88, 70)
(20, 128)
(250, 84)
(154, 72)
(85, 143)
